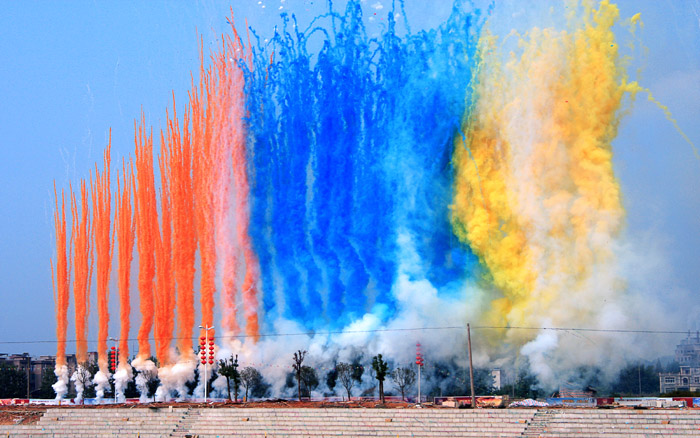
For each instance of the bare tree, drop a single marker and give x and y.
(298, 360)
(250, 377)
(403, 378)
(345, 376)
(83, 376)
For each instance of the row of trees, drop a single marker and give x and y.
(447, 379)
(348, 374)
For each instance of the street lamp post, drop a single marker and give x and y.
(113, 361)
(204, 344)
(420, 363)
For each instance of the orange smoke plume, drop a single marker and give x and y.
(60, 277)
(201, 103)
(103, 243)
(165, 281)
(125, 236)
(230, 136)
(184, 230)
(146, 229)
(82, 265)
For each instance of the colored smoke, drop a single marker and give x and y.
(81, 377)
(61, 385)
(101, 382)
(350, 187)
(122, 377)
(146, 370)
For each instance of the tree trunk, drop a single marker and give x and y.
(403, 397)
(381, 391)
(228, 385)
(299, 387)
(348, 393)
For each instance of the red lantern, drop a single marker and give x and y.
(204, 362)
(211, 362)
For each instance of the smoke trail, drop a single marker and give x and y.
(103, 244)
(122, 377)
(82, 268)
(225, 133)
(165, 281)
(535, 193)
(202, 104)
(60, 277)
(234, 133)
(145, 368)
(184, 231)
(146, 221)
(124, 226)
(349, 148)
(80, 377)
(61, 385)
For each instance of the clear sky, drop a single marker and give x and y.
(70, 71)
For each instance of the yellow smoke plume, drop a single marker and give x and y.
(535, 194)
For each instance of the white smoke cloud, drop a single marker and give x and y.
(122, 377)
(61, 385)
(101, 382)
(80, 378)
(146, 370)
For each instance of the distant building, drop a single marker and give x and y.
(687, 380)
(688, 351)
(39, 366)
(688, 357)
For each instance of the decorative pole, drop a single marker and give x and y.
(204, 343)
(420, 363)
(471, 366)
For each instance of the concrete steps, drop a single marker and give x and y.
(337, 422)
(222, 423)
(616, 423)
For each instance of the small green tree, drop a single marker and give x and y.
(403, 378)
(380, 368)
(297, 366)
(309, 380)
(344, 372)
(13, 382)
(331, 379)
(48, 378)
(229, 369)
(251, 378)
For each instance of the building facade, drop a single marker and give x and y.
(36, 368)
(688, 357)
(688, 379)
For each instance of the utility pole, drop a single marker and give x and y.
(29, 365)
(471, 366)
(639, 377)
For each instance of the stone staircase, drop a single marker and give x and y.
(334, 422)
(614, 423)
(538, 425)
(221, 422)
(101, 423)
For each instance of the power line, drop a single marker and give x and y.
(340, 332)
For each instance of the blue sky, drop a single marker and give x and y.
(70, 71)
